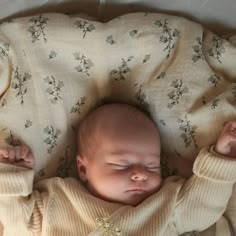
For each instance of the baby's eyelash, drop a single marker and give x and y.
(157, 168)
(124, 167)
(118, 166)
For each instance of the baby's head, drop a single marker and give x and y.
(119, 154)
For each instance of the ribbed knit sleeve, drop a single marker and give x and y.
(20, 207)
(214, 166)
(204, 196)
(15, 180)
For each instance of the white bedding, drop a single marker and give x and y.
(217, 15)
(54, 68)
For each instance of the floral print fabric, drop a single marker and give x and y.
(54, 68)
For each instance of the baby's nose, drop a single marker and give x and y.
(139, 174)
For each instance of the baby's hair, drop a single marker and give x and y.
(87, 126)
(142, 109)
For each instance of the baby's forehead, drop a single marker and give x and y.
(113, 116)
(118, 113)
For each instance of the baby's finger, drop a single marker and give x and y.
(29, 157)
(24, 152)
(11, 152)
(231, 126)
(17, 153)
(25, 164)
(4, 153)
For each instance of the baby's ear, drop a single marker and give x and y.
(82, 165)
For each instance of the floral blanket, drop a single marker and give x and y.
(54, 68)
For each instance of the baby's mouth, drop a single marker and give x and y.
(137, 190)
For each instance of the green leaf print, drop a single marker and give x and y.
(85, 63)
(4, 50)
(167, 36)
(163, 122)
(52, 55)
(41, 173)
(162, 75)
(141, 97)
(37, 28)
(214, 103)
(110, 40)
(78, 105)
(198, 51)
(65, 164)
(12, 140)
(133, 33)
(217, 48)
(214, 79)
(188, 132)
(178, 92)
(122, 71)
(84, 26)
(204, 101)
(54, 90)
(146, 58)
(28, 123)
(3, 102)
(193, 233)
(52, 136)
(19, 82)
(10, 21)
(166, 171)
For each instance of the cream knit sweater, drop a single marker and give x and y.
(59, 206)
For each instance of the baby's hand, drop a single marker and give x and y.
(17, 155)
(226, 144)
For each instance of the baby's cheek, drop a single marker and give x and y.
(111, 186)
(117, 176)
(156, 181)
(110, 176)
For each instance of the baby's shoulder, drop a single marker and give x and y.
(56, 183)
(174, 181)
(66, 182)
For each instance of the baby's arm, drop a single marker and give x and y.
(20, 206)
(204, 197)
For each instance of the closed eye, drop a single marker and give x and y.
(155, 168)
(118, 167)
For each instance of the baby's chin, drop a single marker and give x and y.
(134, 199)
(126, 198)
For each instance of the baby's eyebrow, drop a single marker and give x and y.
(153, 163)
(121, 160)
(125, 153)
(122, 152)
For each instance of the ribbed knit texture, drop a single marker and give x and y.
(64, 207)
(214, 166)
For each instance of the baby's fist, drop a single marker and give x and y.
(226, 144)
(17, 155)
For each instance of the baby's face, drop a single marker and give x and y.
(126, 165)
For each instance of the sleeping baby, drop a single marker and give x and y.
(120, 191)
